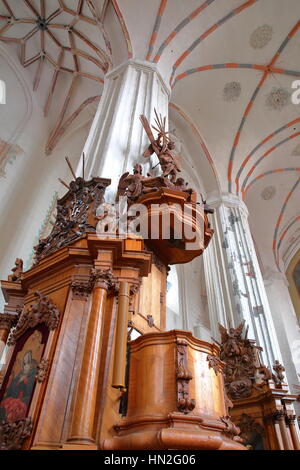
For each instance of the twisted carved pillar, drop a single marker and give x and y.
(81, 429)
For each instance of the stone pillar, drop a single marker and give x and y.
(82, 425)
(235, 287)
(117, 139)
(286, 324)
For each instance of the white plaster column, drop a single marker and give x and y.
(285, 320)
(117, 139)
(235, 286)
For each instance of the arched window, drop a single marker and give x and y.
(2, 92)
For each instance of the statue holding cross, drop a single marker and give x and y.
(163, 146)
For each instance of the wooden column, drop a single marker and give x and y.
(279, 417)
(82, 424)
(6, 322)
(294, 436)
(121, 336)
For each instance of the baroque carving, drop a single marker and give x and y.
(243, 371)
(76, 215)
(17, 271)
(250, 430)
(133, 186)
(214, 363)
(42, 370)
(185, 404)
(278, 377)
(12, 435)
(43, 311)
(7, 321)
(104, 278)
(231, 430)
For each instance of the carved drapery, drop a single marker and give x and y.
(44, 311)
(185, 404)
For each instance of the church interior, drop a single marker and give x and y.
(150, 229)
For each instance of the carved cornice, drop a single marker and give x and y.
(42, 370)
(44, 311)
(7, 321)
(185, 404)
(12, 435)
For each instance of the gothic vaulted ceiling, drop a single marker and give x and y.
(229, 63)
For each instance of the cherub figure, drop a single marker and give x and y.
(231, 341)
(16, 270)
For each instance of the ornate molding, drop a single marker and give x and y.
(185, 404)
(82, 289)
(42, 370)
(7, 321)
(104, 278)
(44, 311)
(12, 435)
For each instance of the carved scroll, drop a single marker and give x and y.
(44, 311)
(185, 404)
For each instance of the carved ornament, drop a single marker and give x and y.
(42, 370)
(243, 370)
(17, 271)
(7, 321)
(43, 311)
(185, 404)
(12, 435)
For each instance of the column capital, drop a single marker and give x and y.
(140, 65)
(228, 200)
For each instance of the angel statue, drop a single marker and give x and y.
(163, 146)
(231, 341)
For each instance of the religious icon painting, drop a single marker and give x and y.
(19, 382)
